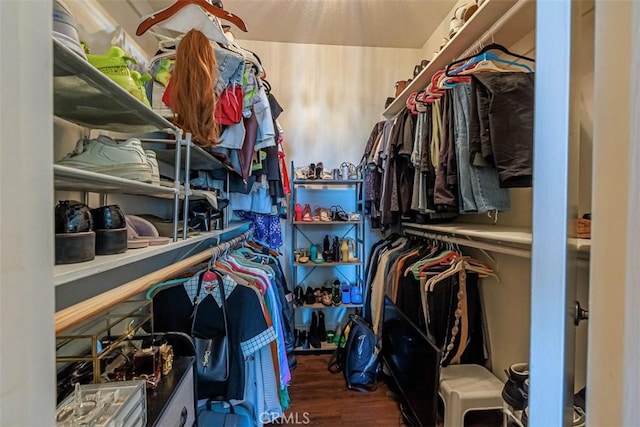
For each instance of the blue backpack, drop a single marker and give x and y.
(357, 358)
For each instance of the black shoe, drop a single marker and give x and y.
(297, 338)
(319, 169)
(304, 337)
(312, 171)
(326, 252)
(514, 393)
(299, 295)
(337, 293)
(335, 249)
(309, 297)
(314, 336)
(108, 217)
(72, 217)
(322, 330)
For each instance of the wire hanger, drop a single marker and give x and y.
(167, 13)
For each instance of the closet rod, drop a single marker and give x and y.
(75, 314)
(488, 35)
(493, 247)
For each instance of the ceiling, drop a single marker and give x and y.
(375, 23)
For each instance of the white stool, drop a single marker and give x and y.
(465, 388)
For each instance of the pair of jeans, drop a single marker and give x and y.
(479, 187)
(230, 69)
(502, 125)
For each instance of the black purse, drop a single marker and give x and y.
(212, 353)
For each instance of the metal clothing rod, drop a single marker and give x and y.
(488, 35)
(493, 247)
(78, 313)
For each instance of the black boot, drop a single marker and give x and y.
(314, 337)
(304, 339)
(322, 330)
(327, 252)
(335, 249)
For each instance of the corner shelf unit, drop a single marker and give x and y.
(306, 233)
(84, 96)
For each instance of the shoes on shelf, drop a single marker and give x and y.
(356, 294)
(298, 212)
(309, 296)
(114, 64)
(344, 250)
(140, 80)
(316, 254)
(306, 213)
(335, 249)
(337, 293)
(317, 293)
(319, 170)
(153, 165)
(346, 293)
(299, 296)
(326, 251)
(104, 155)
(322, 330)
(75, 240)
(110, 226)
(304, 256)
(314, 336)
(322, 214)
(65, 29)
(327, 298)
(141, 231)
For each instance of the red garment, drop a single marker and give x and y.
(283, 168)
(229, 106)
(228, 109)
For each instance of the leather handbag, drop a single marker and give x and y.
(212, 353)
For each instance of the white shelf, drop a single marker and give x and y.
(71, 272)
(85, 96)
(482, 20)
(72, 179)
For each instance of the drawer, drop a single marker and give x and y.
(180, 410)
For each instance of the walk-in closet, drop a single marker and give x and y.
(334, 213)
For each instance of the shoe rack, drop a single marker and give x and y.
(86, 97)
(325, 193)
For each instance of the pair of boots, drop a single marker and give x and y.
(331, 253)
(316, 335)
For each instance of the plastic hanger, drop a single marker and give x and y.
(492, 46)
(172, 10)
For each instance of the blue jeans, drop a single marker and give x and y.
(230, 68)
(479, 187)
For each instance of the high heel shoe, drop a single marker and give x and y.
(298, 212)
(314, 337)
(344, 251)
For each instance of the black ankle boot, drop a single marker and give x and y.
(304, 339)
(314, 337)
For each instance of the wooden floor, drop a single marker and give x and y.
(320, 398)
(325, 400)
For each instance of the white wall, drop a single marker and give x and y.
(27, 376)
(331, 95)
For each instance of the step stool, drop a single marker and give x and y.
(466, 388)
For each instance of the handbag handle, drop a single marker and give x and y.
(197, 303)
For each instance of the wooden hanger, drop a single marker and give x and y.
(170, 11)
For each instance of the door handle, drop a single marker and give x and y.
(580, 314)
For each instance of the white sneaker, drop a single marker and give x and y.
(104, 155)
(153, 164)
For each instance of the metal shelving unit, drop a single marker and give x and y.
(351, 272)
